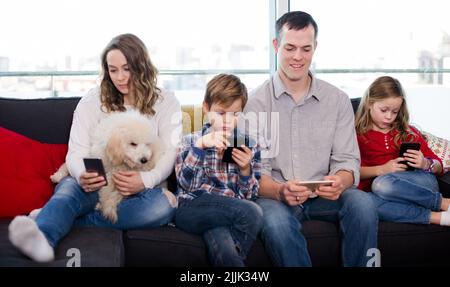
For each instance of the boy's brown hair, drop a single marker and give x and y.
(225, 89)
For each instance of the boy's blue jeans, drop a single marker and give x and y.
(407, 196)
(71, 205)
(354, 210)
(229, 226)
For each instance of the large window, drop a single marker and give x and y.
(394, 35)
(53, 35)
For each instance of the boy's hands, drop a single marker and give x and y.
(243, 159)
(217, 139)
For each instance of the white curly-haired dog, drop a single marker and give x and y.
(124, 141)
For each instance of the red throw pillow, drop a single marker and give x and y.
(25, 169)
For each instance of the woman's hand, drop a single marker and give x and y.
(416, 159)
(91, 181)
(243, 159)
(128, 182)
(393, 165)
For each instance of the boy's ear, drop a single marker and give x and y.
(205, 107)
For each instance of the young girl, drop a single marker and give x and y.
(382, 124)
(129, 82)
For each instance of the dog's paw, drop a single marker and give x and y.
(110, 214)
(59, 174)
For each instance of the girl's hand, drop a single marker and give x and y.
(128, 182)
(393, 165)
(416, 159)
(91, 181)
(243, 159)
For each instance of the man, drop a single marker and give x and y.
(313, 139)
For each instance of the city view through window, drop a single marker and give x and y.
(200, 36)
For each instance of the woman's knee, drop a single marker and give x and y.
(68, 187)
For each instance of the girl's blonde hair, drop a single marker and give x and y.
(383, 88)
(143, 77)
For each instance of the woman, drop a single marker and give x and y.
(129, 82)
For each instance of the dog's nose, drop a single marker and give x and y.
(144, 160)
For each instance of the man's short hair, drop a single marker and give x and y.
(225, 89)
(295, 20)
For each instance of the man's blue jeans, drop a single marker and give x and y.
(407, 196)
(71, 205)
(286, 245)
(229, 226)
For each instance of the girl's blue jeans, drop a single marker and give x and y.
(407, 196)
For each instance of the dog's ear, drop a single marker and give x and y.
(114, 150)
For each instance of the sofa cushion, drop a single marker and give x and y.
(46, 120)
(97, 247)
(440, 147)
(25, 168)
(171, 247)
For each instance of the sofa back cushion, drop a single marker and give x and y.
(45, 120)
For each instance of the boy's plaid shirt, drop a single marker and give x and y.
(200, 171)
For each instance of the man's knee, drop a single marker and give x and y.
(277, 218)
(361, 206)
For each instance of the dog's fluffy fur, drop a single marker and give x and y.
(124, 141)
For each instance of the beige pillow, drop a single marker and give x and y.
(440, 147)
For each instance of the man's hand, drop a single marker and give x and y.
(91, 181)
(128, 182)
(293, 194)
(334, 191)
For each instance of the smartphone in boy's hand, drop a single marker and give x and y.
(95, 165)
(235, 142)
(227, 154)
(403, 148)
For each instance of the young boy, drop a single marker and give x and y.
(214, 196)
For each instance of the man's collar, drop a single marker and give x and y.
(280, 88)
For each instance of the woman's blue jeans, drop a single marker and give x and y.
(229, 226)
(282, 228)
(70, 205)
(407, 196)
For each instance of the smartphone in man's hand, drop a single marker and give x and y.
(95, 165)
(403, 148)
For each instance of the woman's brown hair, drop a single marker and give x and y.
(143, 76)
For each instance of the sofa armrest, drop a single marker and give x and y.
(444, 184)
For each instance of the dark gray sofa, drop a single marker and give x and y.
(49, 120)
